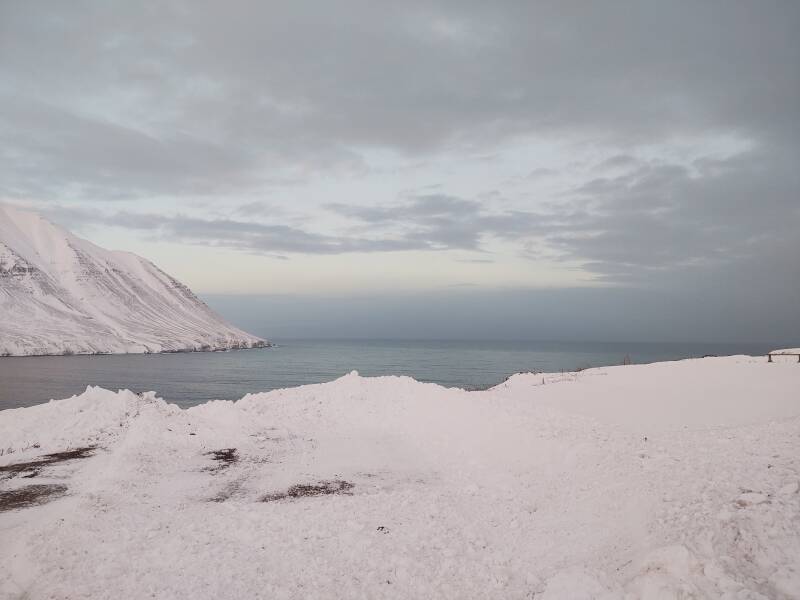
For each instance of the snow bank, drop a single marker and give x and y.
(91, 418)
(387, 487)
(734, 390)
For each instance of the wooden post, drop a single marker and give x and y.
(770, 357)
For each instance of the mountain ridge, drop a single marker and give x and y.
(61, 294)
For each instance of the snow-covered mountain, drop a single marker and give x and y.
(60, 294)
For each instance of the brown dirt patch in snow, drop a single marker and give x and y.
(225, 457)
(34, 466)
(30, 495)
(301, 490)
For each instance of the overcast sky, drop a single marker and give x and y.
(510, 159)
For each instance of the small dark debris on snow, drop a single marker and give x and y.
(383, 529)
(622, 566)
(300, 490)
(30, 495)
(45, 461)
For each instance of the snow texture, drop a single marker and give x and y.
(60, 294)
(671, 480)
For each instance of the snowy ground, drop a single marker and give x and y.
(672, 480)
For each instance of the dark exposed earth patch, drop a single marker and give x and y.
(225, 457)
(323, 488)
(30, 495)
(35, 466)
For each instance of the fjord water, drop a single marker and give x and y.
(193, 378)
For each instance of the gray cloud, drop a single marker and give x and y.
(662, 218)
(541, 173)
(618, 161)
(248, 236)
(657, 219)
(115, 99)
(429, 222)
(446, 222)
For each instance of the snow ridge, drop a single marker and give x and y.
(60, 294)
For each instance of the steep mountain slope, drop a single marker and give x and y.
(60, 294)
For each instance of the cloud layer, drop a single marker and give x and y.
(689, 115)
(116, 99)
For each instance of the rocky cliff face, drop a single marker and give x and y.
(60, 294)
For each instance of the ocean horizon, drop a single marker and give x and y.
(189, 379)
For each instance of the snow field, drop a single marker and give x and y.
(673, 480)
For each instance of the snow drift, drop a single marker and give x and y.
(60, 294)
(672, 480)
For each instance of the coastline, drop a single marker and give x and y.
(191, 378)
(238, 346)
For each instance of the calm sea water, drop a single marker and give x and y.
(189, 379)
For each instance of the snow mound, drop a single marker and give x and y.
(91, 418)
(387, 487)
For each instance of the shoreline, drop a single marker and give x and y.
(129, 372)
(256, 346)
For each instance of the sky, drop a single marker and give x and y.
(541, 170)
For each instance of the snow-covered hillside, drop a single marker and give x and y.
(672, 480)
(60, 294)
